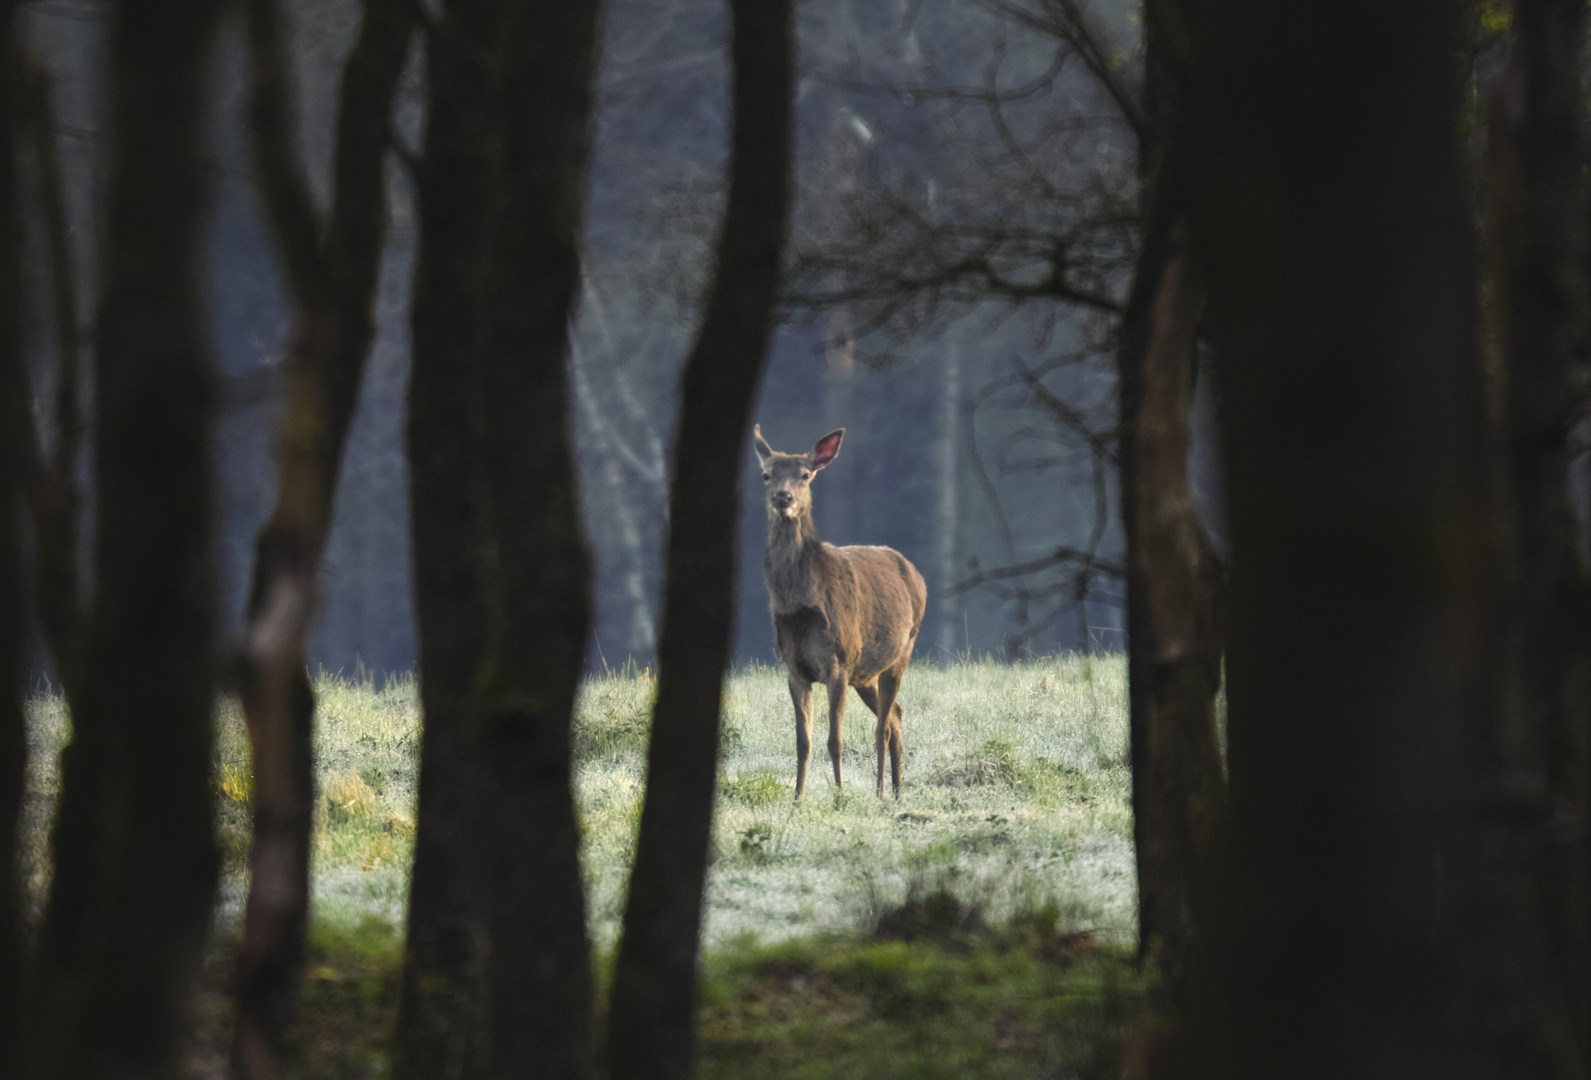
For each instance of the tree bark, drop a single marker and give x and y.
(538, 597)
(1534, 1013)
(1330, 217)
(331, 276)
(15, 451)
(142, 820)
(440, 1026)
(653, 1013)
(1174, 649)
(54, 497)
(1173, 641)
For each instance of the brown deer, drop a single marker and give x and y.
(842, 616)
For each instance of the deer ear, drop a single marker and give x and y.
(759, 444)
(827, 449)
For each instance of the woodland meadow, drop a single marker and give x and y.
(410, 562)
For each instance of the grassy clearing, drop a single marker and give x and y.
(975, 927)
(1016, 797)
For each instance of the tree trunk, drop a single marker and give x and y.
(1533, 773)
(947, 516)
(1174, 650)
(55, 503)
(652, 1031)
(1330, 217)
(142, 821)
(16, 430)
(439, 1030)
(538, 972)
(331, 274)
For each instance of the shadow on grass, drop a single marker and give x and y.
(933, 992)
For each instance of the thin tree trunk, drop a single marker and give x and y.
(439, 1030)
(331, 274)
(55, 502)
(1174, 650)
(1330, 217)
(1536, 1003)
(642, 638)
(947, 516)
(538, 972)
(653, 1014)
(15, 450)
(147, 693)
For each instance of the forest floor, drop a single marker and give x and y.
(980, 926)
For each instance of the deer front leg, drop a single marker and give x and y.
(836, 716)
(801, 695)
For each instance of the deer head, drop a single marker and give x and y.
(787, 478)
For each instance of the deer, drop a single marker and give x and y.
(842, 616)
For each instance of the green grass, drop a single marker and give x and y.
(825, 953)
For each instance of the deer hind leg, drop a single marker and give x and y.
(869, 695)
(836, 717)
(890, 716)
(801, 695)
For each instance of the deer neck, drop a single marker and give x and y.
(792, 545)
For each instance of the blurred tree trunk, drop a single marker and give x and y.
(127, 950)
(15, 450)
(498, 976)
(1535, 1006)
(538, 595)
(652, 1030)
(1174, 648)
(1330, 218)
(53, 497)
(330, 270)
(439, 1031)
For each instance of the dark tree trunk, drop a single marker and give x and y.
(53, 492)
(15, 450)
(538, 596)
(1174, 648)
(653, 1013)
(439, 1014)
(1531, 774)
(331, 273)
(138, 827)
(1329, 214)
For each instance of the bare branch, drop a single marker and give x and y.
(1071, 22)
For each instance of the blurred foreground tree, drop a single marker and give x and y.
(15, 450)
(497, 978)
(1362, 646)
(652, 1030)
(1532, 1004)
(43, 470)
(135, 859)
(330, 269)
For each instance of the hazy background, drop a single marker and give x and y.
(951, 485)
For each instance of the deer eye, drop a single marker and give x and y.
(806, 476)
(767, 476)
